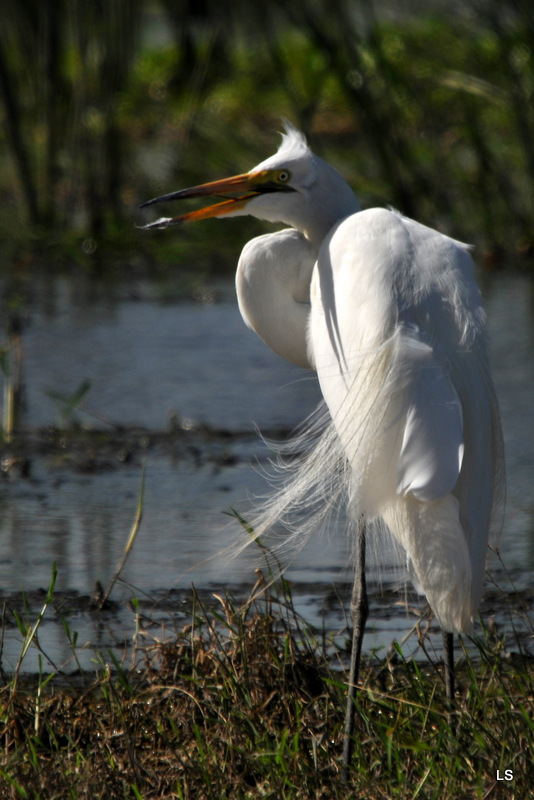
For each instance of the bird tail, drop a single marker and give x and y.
(440, 563)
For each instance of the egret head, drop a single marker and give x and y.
(293, 186)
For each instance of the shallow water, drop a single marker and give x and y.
(154, 364)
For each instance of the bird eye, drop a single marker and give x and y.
(283, 176)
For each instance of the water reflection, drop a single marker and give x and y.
(147, 361)
(509, 303)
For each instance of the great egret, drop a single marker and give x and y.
(388, 313)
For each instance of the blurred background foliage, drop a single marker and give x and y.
(426, 106)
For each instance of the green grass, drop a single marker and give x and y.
(241, 704)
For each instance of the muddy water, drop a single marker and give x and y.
(195, 370)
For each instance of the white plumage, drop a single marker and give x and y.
(397, 336)
(387, 311)
(283, 319)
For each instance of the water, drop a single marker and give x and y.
(150, 363)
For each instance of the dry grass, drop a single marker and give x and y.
(239, 705)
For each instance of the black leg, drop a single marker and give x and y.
(360, 611)
(448, 661)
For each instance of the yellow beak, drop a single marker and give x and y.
(244, 187)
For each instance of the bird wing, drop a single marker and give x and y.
(432, 446)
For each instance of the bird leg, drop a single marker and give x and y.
(360, 611)
(448, 661)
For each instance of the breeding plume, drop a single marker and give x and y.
(388, 313)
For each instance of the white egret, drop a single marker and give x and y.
(388, 313)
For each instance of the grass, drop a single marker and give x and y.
(242, 704)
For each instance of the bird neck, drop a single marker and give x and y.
(316, 229)
(273, 289)
(329, 200)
